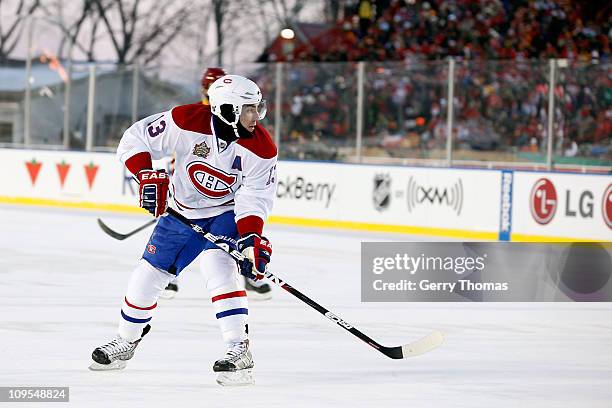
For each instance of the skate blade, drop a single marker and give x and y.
(114, 366)
(168, 294)
(236, 378)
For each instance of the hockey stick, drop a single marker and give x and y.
(415, 348)
(119, 236)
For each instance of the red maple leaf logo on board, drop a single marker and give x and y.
(33, 169)
(90, 171)
(62, 170)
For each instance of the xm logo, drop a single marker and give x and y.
(449, 196)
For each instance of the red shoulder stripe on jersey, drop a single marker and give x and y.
(238, 293)
(194, 117)
(260, 143)
(250, 224)
(139, 161)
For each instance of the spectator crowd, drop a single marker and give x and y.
(486, 29)
(501, 96)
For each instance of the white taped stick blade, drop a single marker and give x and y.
(427, 343)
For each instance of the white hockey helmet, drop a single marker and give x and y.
(229, 93)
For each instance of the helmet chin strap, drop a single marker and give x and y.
(229, 132)
(235, 129)
(233, 124)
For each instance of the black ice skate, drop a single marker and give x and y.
(257, 290)
(236, 367)
(114, 355)
(170, 291)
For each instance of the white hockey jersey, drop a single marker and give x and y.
(210, 176)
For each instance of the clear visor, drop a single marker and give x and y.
(262, 109)
(229, 113)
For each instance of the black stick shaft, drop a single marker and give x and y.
(120, 236)
(393, 352)
(325, 312)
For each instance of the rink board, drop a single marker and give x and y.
(575, 205)
(457, 203)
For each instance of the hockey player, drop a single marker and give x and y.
(257, 290)
(208, 77)
(224, 181)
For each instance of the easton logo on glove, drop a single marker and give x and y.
(153, 190)
(258, 251)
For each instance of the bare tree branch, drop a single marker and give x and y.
(131, 38)
(174, 24)
(219, 11)
(10, 37)
(157, 50)
(10, 46)
(92, 40)
(71, 31)
(102, 9)
(265, 24)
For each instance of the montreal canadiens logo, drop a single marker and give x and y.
(607, 206)
(211, 182)
(151, 249)
(543, 201)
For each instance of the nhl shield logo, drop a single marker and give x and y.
(201, 150)
(381, 195)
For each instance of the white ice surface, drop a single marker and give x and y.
(62, 281)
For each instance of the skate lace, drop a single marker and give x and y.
(117, 346)
(236, 351)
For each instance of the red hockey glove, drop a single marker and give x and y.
(153, 190)
(258, 251)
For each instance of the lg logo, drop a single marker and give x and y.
(544, 202)
(606, 207)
